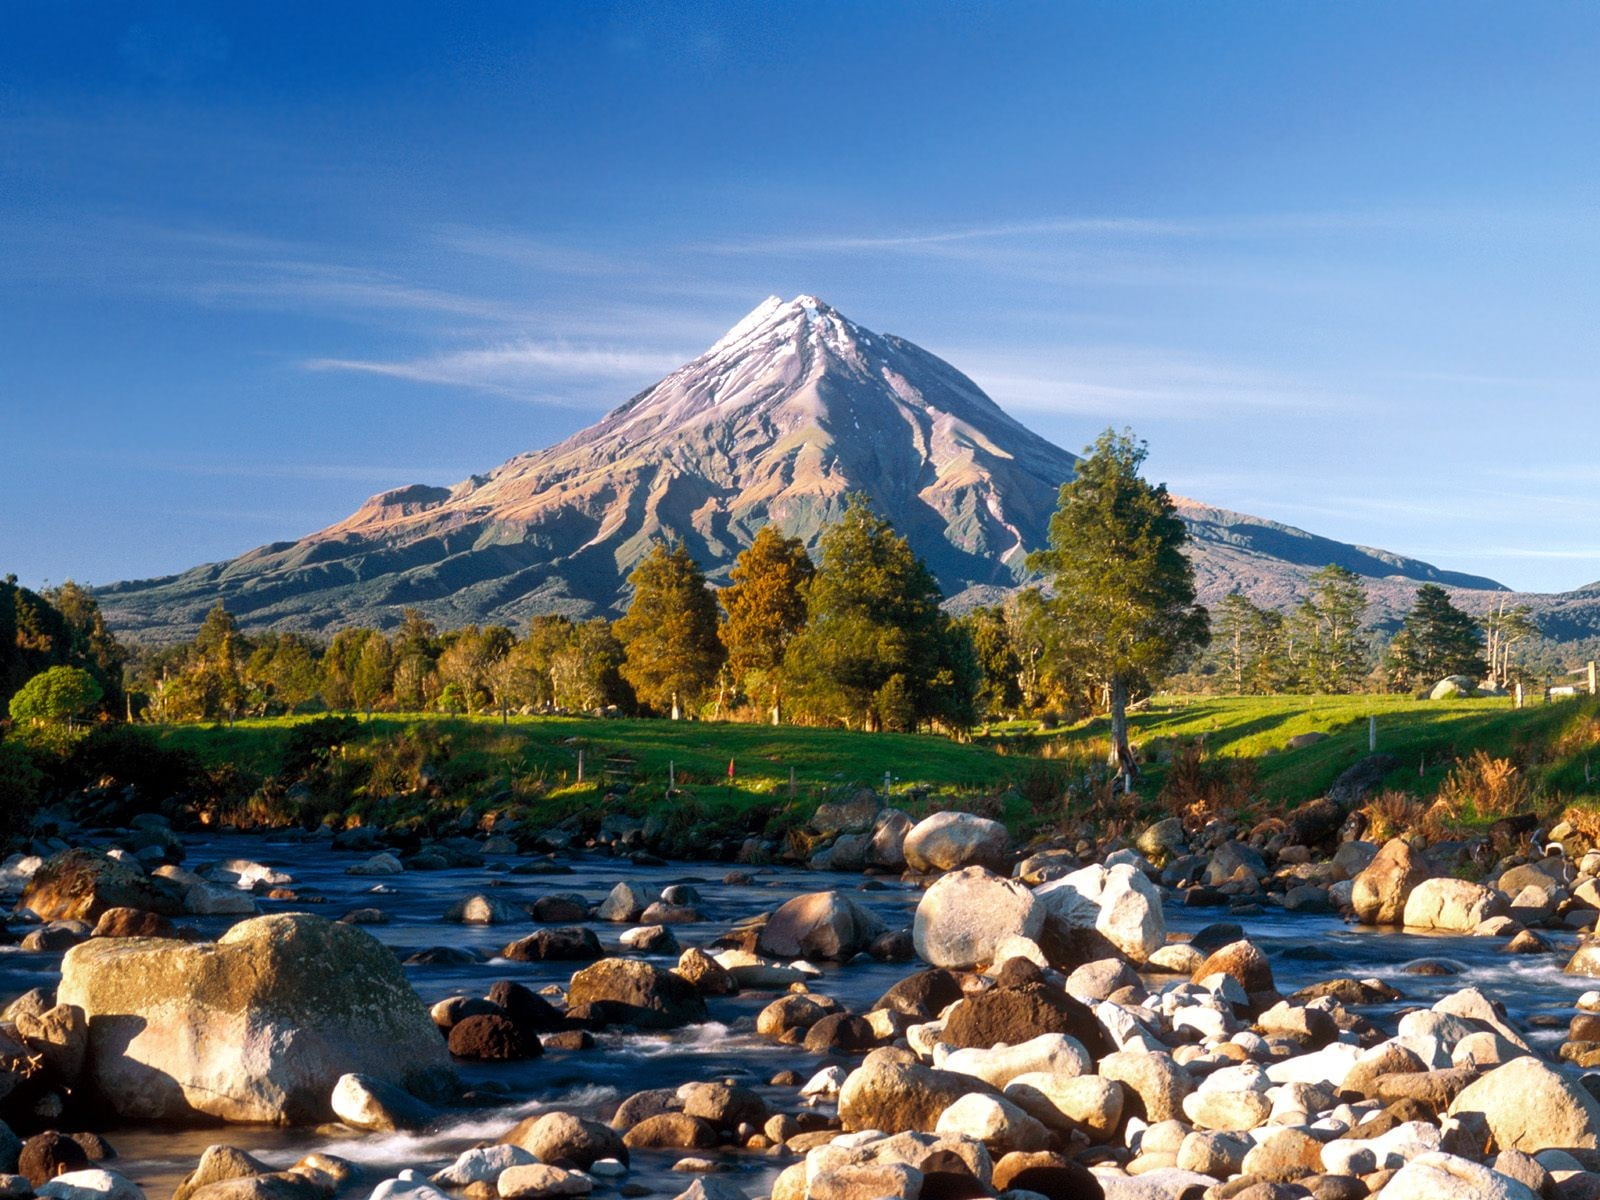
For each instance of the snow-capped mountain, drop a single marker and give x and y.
(792, 410)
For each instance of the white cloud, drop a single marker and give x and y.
(513, 367)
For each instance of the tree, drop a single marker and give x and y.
(1329, 644)
(59, 696)
(216, 677)
(91, 644)
(468, 660)
(669, 635)
(1124, 596)
(1436, 639)
(766, 607)
(1505, 629)
(877, 651)
(1000, 691)
(1249, 647)
(586, 670)
(282, 674)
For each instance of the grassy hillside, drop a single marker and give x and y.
(423, 770)
(533, 763)
(1551, 742)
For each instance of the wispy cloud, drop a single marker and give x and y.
(512, 368)
(1129, 382)
(1089, 228)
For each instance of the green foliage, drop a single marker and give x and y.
(21, 788)
(669, 635)
(58, 696)
(1123, 608)
(60, 628)
(766, 608)
(1329, 645)
(1251, 647)
(1436, 639)
(873, 615)
(131, 756)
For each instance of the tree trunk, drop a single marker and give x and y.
(1121, 756)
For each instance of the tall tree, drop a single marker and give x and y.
(1435, 640)
(1504, 629)
(1329, 642)
(766, 607)
(1124, 596)
(669, 635)
(877, 651)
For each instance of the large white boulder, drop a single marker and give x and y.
(966, 914)
(948, 841)
(1452, 905)
(257, 1027)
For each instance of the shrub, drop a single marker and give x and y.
(21, 788)
(128, 756)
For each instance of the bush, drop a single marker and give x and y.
(312, 743)
(128, 756)
(21, 789)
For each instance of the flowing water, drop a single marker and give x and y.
(1302, 949)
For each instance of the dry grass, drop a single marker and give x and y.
(1199, 789)
(1482, 788)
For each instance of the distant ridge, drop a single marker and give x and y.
(789, 412)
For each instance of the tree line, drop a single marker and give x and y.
(857, 637)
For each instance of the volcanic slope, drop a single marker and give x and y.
(791, 411)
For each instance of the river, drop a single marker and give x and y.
(1303, 949)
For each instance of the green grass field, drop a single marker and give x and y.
(1017, 772)
(538, 756)
(1552, 742)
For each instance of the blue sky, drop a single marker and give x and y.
(1336, 262)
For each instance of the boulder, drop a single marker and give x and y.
(1379, 892)
(886, 846)
(538, 1181)
(481, 910)
(996, 1122)
(893, 1096)
(83, 884)
(1439, 1176)
(133, 922)
(258, 1027)
(481, 1164)
(948, 841)
(1452, 905)
(1454, 687)
(1015, 1015)
(1530, 1106)
(491, 1037)
(565, 1140)
(1130, 916)
(855, 815)
(965, 915)
(571, 943)
(362, 1102)
(628, 992)
(626, 903)
(1243, 962)
(91, 1184)
(824, 925)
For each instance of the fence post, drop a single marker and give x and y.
(1592, 679)
(1519, 693)
(1372, 733)
(580, 765)
(791, 781)
(672, 776)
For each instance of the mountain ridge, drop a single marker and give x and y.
(794, 408)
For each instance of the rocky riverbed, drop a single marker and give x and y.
(296, 1016)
